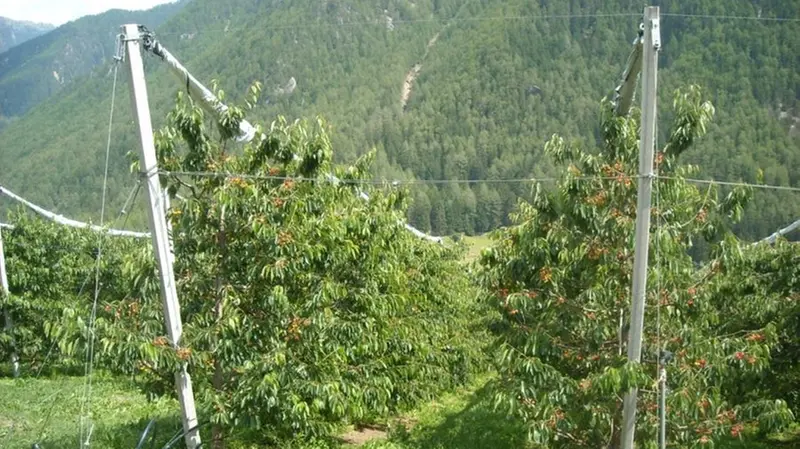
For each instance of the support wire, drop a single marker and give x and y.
(85, 417)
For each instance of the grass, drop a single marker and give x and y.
(476, 244)
(466, 420)
(47, 410)
(461, 420)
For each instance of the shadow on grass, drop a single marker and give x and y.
(145, 434)
(471, 423)
(475, 425)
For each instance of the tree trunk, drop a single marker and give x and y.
(615, 442)
(217, 433)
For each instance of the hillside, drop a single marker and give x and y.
(15, 32)
(444, 90)
(33, 71)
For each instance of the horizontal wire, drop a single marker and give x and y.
(500, 18)
(529, 17)
(734, 184)
(209, 174)
(396, 182)
(384, 22)
(722, 17)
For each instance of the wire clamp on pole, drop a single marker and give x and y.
(145, 174)
(656, 33)
(119, 51)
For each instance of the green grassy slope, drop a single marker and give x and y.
(497, 81)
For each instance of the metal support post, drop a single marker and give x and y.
(652, 43)
(664, 358)
(9, 325)
(158, 225)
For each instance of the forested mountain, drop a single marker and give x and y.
(33, 71)
(15, 32)
(444, 89)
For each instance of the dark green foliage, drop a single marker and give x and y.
(51, 274)
(316, 307)
(488, 94)
(304, 306)
(560, 280)
(767, 279)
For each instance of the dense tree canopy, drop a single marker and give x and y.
(304, 305)
(767, 279)
(52, 274)
(560, 279)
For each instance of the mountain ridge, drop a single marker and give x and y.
(501, 79)
(34, 70)
(15, 32)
